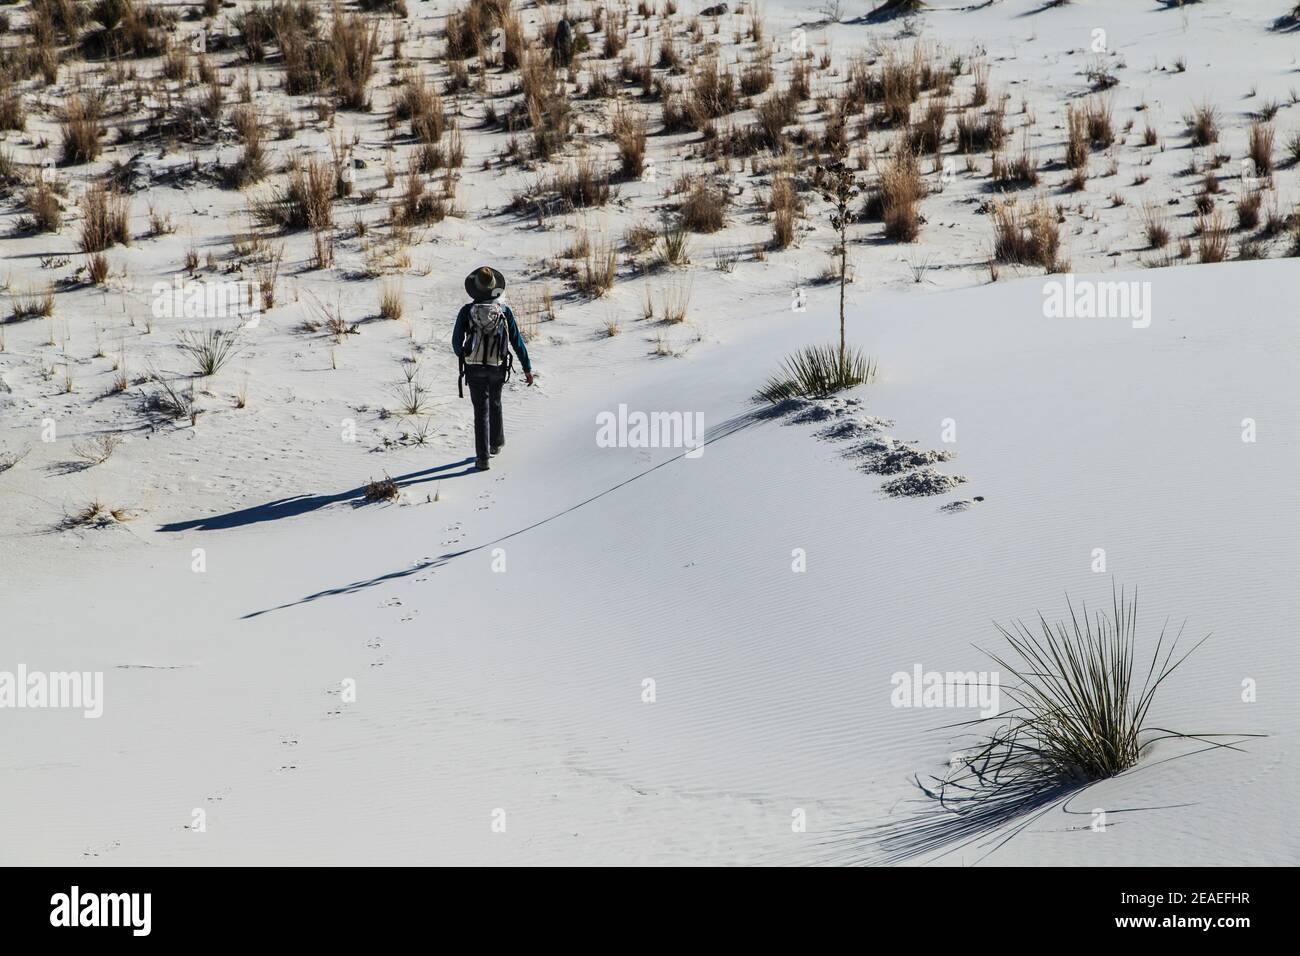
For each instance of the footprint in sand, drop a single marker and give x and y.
(101, 849)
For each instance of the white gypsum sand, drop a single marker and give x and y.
(498, 629)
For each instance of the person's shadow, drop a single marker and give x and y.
(302, 504)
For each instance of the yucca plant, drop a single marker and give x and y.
(816, 371)
(1080, 712)
(1080, 701)
(209, 349)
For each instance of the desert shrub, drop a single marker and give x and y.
(421, 104)
(545, 104)
(1018, 172)
(251, 166)
(44, 212)
(417, 206)
(1155, 223)
(97, 449)
(673, 248)
(1101, 127)
(105, 219)
(704, 208)
(817, 371)
(675, 302)
(97, 268)
(31, 304)
(1212, 240)
(784, 205)
(1249, 204)
(979, 131)
(1261, 147)
(470, 28)
(1079, 712)
(391, 305)
(1076, 144)
(926, 134)
(629, 131)
(1203, 124)
(585, 183)
(209, 350)
(894, 196)
(127, 28)
(1030, 237)
(383, 489)
(775, 113)
(306, 201)
(81, 130)
(599, 270)
(353, 47)
(711, 93)
(757, 76)
(13, 114)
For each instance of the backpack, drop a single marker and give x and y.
(487, 338)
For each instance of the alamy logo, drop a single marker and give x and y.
(922, 688)
(59, 689)
(102, 909)
(624, 429)
(192, 299)
(1074, 298)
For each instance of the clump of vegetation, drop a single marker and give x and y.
(209, 350)
(1203, 124)
(629, 131)
(44, 212)
(705, 207)
(105, 219)
(95, 514)
(353, 47)
(1155, 223)
(894, 196)
(32, 304)
(383, 489)
(81, 130)
(1027, 237)
(305, 202)
(817, 371)
(1261, 147)
(1080, 713)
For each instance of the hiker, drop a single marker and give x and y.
(484, 334)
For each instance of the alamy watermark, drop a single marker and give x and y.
(184, 298)
(922, 688)
(1075, 298)
(78, 690)
(634, 429)
(75, 908)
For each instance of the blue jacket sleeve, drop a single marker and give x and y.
(517, 340)
(458, 332)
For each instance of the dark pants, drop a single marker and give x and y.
(485, 383)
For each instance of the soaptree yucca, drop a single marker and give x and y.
(1081, 701)
(817, 371)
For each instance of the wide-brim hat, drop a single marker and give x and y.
(485, 283)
